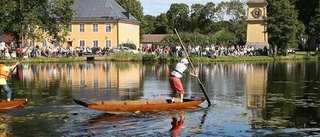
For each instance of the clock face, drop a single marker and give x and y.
(256, 13)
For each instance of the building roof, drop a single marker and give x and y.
(151, 38)
(257, 1)
(100, 10)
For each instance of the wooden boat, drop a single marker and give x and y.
(134, 106)
(19, 102)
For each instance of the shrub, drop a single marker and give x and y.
(130, 45)
(149, 57)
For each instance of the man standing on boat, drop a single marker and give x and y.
(175, 76)
(5, 72)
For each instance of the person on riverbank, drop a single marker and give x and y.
(175, 76)
(5, 72)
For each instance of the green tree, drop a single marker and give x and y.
(201, 18)
(307, 11)
(178, 16)
(30, 18)
(225, 37)
(194, 16)
(314, 28)
(206, 18)
(283, 25)
(161, 24)
(150, 24)
(234, 9)
(237, 23)
(239, 29)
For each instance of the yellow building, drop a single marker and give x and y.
(256, 29)
(101, 23)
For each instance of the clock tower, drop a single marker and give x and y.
(256, 29)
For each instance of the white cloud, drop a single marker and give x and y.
(155, 7)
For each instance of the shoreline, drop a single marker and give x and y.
(125, 57)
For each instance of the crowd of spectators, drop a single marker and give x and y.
(212, 51)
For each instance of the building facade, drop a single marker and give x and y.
(257, 35)
(101, 23)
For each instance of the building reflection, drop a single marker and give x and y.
(257, 77)
(93, 75)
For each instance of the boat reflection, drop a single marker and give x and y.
(107, 118)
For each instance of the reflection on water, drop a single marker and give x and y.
(93, 75)
(4, 127)
(250, 99)
(177, 123)
(121, 79)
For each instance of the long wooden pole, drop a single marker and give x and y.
(22, 55)
(199, 81)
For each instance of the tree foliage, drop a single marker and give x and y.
(234, 9)
(161, 24)
(237, 23)
(22, 18)
(283, 25)
(314, 26)
(178, 16)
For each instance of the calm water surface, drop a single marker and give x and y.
(249, 99)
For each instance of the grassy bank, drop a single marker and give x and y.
(154, 58)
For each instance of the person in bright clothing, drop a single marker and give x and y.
(5, 72)
(175, 78)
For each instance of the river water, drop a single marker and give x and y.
(249, 99)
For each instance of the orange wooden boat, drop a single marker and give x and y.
(134, 106)
(18, 102)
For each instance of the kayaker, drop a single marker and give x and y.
(176, 75)
(5, 72)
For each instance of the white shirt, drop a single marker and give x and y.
(178, 70)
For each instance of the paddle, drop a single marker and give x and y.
(200, 83)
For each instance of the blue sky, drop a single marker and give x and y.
(155, 7)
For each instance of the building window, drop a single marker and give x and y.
(82, 28)
(95, 43)
(108, 27)
(108, 43)
(95, 28)
(70, 27)
(82, 43)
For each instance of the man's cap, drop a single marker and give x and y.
(184, 61)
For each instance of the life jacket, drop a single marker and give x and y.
(3, 73)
